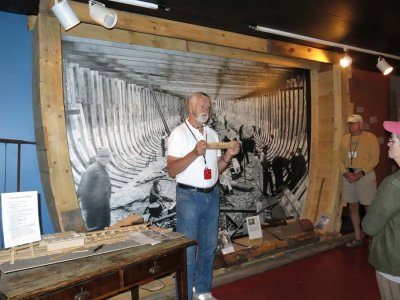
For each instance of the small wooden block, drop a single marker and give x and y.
(221, 145)
(12, 255)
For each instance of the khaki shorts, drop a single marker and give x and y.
(362, 191)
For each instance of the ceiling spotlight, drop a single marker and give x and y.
(138, 3)
(65, 14)
(102, 15)
(383, 66)
(346, 60)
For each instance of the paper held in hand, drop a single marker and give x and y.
(221, 145)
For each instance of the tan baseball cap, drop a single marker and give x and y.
(354, 119)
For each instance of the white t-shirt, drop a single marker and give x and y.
(181, 142)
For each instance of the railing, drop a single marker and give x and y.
(19, 143)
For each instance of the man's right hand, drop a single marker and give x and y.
(352, 177)
(200, 148)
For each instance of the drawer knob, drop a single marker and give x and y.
(83, 295)
(155, 269)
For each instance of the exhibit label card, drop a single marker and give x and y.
(254, 227)
(224, 241)
(20, 215)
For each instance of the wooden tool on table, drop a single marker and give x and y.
(221, 145)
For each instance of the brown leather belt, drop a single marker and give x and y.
(201, 190)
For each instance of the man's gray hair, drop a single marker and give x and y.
(197, 94)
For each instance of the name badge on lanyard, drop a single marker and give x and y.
(352, 154)
(207, 173)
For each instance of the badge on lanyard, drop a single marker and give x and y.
(207, 173)
(352, 154)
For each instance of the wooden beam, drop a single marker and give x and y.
(172, 29)
(299, 51)
(222, 50)
(50, 128)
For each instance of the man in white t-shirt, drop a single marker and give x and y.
(196, 169)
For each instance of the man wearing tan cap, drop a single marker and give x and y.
(358, 156)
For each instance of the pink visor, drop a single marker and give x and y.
(392, 126)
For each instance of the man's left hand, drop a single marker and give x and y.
(354, 177)
(231, 152)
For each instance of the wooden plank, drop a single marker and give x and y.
(220, 145)
(40, 130)
(325, 200)
(222, 50)
(162, 27)
(177, 30)
(124, 36)
(340, 84)
(50, 122)
(299, 51)
(314, 148)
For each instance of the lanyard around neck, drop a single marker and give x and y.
(204, 155)
(352, 152)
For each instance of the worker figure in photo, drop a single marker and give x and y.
(358, 156)
(280, 166)
(267, 182)
(382, 223)
(163, 149)
(245, 149)
(94, 193)
(197, 169)
(155, 200)
(298, 167)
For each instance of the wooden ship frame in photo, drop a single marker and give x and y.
(329, 95)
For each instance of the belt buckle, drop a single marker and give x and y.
(208, 190)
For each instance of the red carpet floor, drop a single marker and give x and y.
(337, 274)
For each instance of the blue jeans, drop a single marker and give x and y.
(197, 217)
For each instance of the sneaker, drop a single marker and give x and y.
(354, 244)
(204, 296)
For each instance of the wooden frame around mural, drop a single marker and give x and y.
(329, 94)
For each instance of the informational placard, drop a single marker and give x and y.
(20, 215)
(224, 242)
(323, 221)
(254, 227)
(373, 119)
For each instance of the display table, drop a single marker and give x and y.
(101, 276)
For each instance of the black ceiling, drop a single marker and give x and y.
(367, 24)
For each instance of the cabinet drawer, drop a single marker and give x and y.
(90, 289)
(152, 268)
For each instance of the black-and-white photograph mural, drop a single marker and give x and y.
(122, 102)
